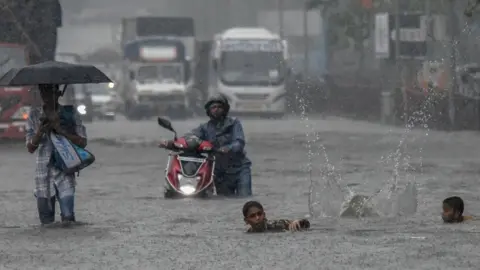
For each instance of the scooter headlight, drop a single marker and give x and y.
(188, 184)
(187, 189)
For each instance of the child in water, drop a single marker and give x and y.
(453, 210)
(254, 216)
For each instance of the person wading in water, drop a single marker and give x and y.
(52, 184)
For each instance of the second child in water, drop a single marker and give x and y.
(453, 210)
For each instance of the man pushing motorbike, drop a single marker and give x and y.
(233, 176)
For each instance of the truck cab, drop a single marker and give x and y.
(15, 102)
(158, 76)
(158, 66)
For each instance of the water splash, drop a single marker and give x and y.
(387, 200)
(331, 179)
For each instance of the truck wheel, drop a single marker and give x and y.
(132, 114)
(110, 117)
(131, 111)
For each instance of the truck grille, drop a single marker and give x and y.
(252, 96)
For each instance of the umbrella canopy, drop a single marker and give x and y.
(53, 72)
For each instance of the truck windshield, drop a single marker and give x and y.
(252, 68)
(164, 73)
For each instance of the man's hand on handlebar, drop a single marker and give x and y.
(165, 144)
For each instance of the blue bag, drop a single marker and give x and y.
(66, 156)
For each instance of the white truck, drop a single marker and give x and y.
(157, 71)
(249, 67)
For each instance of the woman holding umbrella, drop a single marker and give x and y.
(52, 184)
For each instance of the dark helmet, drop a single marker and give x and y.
(218, 99)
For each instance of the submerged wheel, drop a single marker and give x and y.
(207, 193)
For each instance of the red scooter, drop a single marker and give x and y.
(190, 166)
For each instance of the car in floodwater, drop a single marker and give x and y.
(104, 100)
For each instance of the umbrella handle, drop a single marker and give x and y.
(64, 89)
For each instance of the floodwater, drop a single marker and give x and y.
(127, 224)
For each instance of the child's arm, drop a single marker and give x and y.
(278, 225)
(284, 224)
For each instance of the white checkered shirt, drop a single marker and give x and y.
(46, 176)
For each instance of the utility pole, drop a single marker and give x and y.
(281, 11)
(453, 63)
(306, 40)
(397, 30)
(398, 63)
(430, 29)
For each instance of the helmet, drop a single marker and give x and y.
(218, 99)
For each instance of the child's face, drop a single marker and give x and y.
(449, 214)
(255, 216)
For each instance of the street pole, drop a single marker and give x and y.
(306, 40)
(397, 30)
(430, 32)
(398, 62)
(281, 26)
(453, 64)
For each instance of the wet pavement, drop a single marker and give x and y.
(128, 225)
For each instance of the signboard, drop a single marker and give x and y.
(413, 35)
(154, 50)
(251, 45)
(382, 40)
(158, 53)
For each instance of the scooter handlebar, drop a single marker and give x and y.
(172, 147)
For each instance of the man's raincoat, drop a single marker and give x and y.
(232, 170)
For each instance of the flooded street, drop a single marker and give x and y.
(129, 225)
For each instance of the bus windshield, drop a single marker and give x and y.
(252, 68)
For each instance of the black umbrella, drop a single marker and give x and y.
(53, 72)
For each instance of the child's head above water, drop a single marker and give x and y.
(253, 213)
(453, 210)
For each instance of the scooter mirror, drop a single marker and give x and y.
(165, 124)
